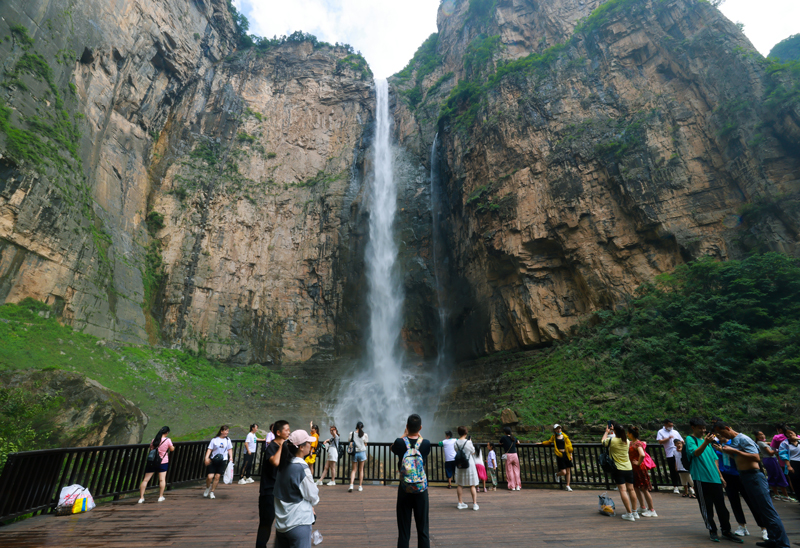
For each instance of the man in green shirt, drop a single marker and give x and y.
(708, 482)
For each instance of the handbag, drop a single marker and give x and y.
(605, 461)
(153, 458)
(351, 445)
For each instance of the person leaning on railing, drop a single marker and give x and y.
(509, 444)
(563, 450)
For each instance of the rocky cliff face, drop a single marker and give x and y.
(158, 184)
(587, 147)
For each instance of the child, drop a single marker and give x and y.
(491, 465)
(686, 478)
(479, 468)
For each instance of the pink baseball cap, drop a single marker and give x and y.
(299, 437)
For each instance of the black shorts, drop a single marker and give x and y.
(217, 467)
(563, 463)
(623, 476)
(450, 468)
(162, 467)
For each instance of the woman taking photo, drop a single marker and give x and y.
(165, 447)
(466, 477)
(312, 455)
(218, 454)
(641, 475)
(623, 476)
(296, 494)
(563, 450)
(332, 448)
(359, 440)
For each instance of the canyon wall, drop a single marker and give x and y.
(587, 147)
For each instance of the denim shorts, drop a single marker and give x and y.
(360, 456)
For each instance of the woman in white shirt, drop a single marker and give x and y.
(218, 454)
(466, 477)
(249, 455)
(332, 448)
(358, 440)
(295, 492)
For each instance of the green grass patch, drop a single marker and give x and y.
(187, 391)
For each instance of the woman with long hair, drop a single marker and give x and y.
(466, 477)
(509, 444)
(295, 492)
(332, 448)
(623, 476)
(249, 455)
(358, 440)
(641, 475)
(164, 446)
(218, 454)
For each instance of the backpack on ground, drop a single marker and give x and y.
(412, 469)
(462, 460)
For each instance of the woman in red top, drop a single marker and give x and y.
(165, 447)
(641, 476)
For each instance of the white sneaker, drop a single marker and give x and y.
(636, 515)
(740, 531)
(569, 489)
(461, 506)
(691, 491)
(764, 535)
(331, 483)
(207, 491)
(250, 480)
(676, 491)
(649, 514)
(641, 510)
(518, 487)
(628, 517)
(211, 495)
(161, 499)
(319, 482)
(242, 481)
(141, 501)
(557, 476)
(351, 488)
(475, 506)
(360, 488)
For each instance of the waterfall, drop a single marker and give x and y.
(378, 395)
(436, 244)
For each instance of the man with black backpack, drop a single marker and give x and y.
(412, 494)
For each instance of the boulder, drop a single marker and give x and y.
(508, 417)
(88, 413)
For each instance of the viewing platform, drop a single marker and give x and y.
(531, 517)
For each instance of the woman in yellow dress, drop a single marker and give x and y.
(312, 456)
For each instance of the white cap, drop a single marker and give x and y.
(556, 426)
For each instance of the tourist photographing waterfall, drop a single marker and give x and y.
(358, 443)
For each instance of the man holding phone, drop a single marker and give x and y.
(746, 455)
(708, 480)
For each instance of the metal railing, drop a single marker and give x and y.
(31, 481)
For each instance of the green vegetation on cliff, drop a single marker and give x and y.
(787, 49)
(711, 339)
(187, 391)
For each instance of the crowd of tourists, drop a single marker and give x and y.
(708, 465)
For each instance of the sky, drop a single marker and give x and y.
(388, 33)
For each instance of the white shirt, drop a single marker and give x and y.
(361, 443)
(449, 449)
(220, 446)
(269, 438)
(250, 440)
(289, 515)
(669, 447)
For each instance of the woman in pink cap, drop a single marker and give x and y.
(295, 492)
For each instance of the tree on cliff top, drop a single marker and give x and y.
(787, 50)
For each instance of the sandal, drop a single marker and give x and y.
(685, 495)
(692, 497)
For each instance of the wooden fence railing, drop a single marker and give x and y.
(31, 481)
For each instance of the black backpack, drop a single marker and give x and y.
(462, 460)
(686, 456)
(153, 458)
(605, 460)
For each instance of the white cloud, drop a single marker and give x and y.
(386, 33)
(766, 22)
